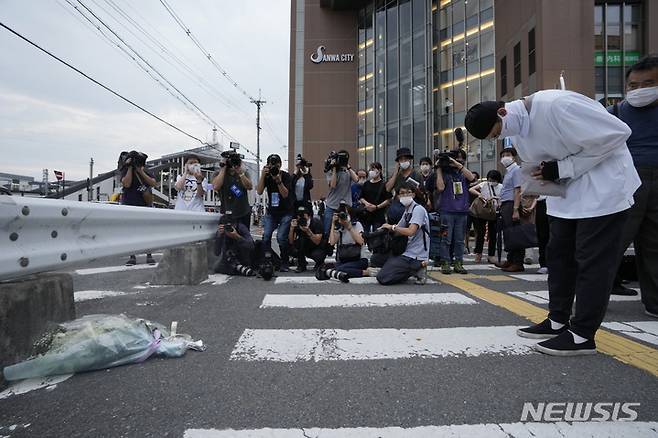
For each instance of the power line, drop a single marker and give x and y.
(207, 54)
(98, 83)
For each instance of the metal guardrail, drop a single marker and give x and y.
(40, 235)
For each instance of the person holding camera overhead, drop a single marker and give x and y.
(375, 198)
(191, 186)
(347, 232)
(302, 184)
(410, 243)
(305, 238)
(404, 170)
(279, 209)
(233, 183)
(137, 183)
(452, 181)
(234, 247)
(340, 176)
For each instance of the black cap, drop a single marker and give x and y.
(403, 152)
(481, 118)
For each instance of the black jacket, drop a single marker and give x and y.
(307, 189)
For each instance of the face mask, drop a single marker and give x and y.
(642, 97)
(194, 168)
(406, 200)
(516, 121)
(362, 181)
(425, 168)
(373, 174)
(506, 161)
(404, 165)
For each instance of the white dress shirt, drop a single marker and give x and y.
(589, 145)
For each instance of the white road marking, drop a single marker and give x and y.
(313, 280)
(541, 296)
(299, 301)
(27, 385)
(108, 269)
(491, 267)
(217, 279)
(369, 344)
(531, 277)
(646, 331)
(586, 429)
(85, 295)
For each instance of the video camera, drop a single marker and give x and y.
(443, 159)
(132, 159)
(336, 160)
(301, 161)
(231, 159)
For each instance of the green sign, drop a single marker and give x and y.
(614, 57)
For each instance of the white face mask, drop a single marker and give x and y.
(425, 168)
(642, 97)
(406, 200)
(506, 161)
(373, 174)
(516, 121)
(194, 168)
(404, 165)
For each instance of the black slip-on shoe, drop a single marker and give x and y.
(542, 330)
(564, 345)
(620, 289)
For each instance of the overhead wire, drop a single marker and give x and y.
(98, 83)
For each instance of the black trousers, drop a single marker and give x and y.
(304, 247)
(480, 225)
(506, 211)
(397, 270)
(541, 223)
(583, 256)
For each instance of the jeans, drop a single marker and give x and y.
(456, 230)
(326, 220)
(353, 269)
(282, 223)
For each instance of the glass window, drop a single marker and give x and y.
(458, 11)
(446, 101)
(472, 46)
(445, 76)
(445, 59)
(598, 27)
(459, 118)
(443, 34)
(381, 107)
(392, 141)
(444, 17)
(486, 4)
(392, 110)
(405, 57)
(405, 18)
(487, 44)
(612, 13)
(472, 93)
(487, 62)
(392, 64)
(392, 25)
(419, 14)
(488, 87)
(458, 55)
(405, 134)
(381, 26)
(472, 7)
(472, 68)
(615, 80)
(486, 15)
(459, 72)
(458, 27)
(418, 98)
(419, 51)
(420, 138)
(531, 52)
(632, 30)
(517, 64)
(459, 103)
(405, 98)
(472, 22)
(503, 76)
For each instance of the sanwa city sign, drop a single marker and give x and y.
(320, 56)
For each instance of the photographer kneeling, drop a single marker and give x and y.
(305, 238)
(234, 247)
(412, 228)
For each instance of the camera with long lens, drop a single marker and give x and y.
(336, 160)
(266, 268)
(230, 159)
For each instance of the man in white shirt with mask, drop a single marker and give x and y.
(581, 145)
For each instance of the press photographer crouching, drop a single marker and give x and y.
(232, 183)
(305, 239)
(234, 247)
(137, 183)
(410, 242)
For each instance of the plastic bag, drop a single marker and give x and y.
(96, 342)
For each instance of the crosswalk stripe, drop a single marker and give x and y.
(646, 331)
(531, 277)
(541, 296)
(300, 301)
(313, 280)
(366, 344)
(592, 429)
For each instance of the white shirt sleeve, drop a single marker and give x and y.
(589, 131)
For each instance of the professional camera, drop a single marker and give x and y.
(443, 159)
(231, 159)
(227, 221)
(266, 268)
(274, 163)
(133, 159)
(336, 160)
(301, 161)
(342, 215)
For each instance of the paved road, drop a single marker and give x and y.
(434, 360)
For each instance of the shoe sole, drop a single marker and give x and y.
(563, 353)
(535, 335)
(651, 314)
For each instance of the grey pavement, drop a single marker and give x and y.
(209, 390)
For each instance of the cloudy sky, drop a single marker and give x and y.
(51, 117)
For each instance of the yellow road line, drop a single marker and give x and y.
(623, 349)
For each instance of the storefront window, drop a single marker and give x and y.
(613, 27)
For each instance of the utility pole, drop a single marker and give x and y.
(90, 186)
(258, 104)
